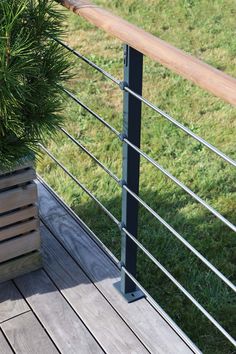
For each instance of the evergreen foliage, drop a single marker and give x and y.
(32, 66)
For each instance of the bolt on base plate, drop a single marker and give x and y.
(130, 297)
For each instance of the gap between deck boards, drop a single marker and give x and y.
(145, 322)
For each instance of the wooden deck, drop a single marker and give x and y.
(71, 305)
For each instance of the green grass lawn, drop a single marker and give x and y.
(207, 30)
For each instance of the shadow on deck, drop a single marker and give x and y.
(71, 305)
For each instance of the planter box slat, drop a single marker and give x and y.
(18, 197)
(20, 266)
(19, 245)
(19, 223)
(24, 163)
(20, 177)
(19, 229)
(18, 215)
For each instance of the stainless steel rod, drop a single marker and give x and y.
(181, 185)
(112, 217)
(151, 105)
(77, 100)
(154, 260)
(182, 239)
(158, 166)
(182, 127)
(75, 141)
(89, 62)
(180, 287)
(115, 260)
(76, 217)
(157, 216)
(164, 314)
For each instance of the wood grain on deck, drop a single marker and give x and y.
(11, 301)
(97, 314)
(71, 305)
(26, 335)
(151, 329)
(60, 321)
(5, 347)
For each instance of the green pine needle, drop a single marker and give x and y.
(31, 67)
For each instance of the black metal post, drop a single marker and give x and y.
(133, 77)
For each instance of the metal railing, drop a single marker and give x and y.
(131, 86)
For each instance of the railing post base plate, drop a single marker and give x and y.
(130, 297)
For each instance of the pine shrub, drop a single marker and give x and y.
(32, 68)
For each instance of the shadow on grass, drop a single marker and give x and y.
(205, 233)
(202, 230)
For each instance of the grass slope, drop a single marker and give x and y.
(207, 30)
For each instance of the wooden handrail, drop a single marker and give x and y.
(191, 68)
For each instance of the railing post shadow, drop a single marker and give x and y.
(133, 78)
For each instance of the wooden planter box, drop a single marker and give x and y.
(19, 223)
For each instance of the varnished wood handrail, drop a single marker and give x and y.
(191, 68)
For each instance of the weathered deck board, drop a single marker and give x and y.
(4, 346)
(11, 301)
(47, 203)
(26, 335)
(89, 304)
(55, 314)
(72, 306)
(148, 325)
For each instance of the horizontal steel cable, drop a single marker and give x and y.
(157, 216)
(77, 218)
(183, 240)
(154, 163)
(150, 105)
(163, 314)
(182, 127)
(77, 100)
(81, 185)
(89, 62)
(115, 260)
(189, 132)
(154, 260)
(182, 185)
(75, 141)
(186, 293)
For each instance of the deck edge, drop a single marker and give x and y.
(115, 261)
